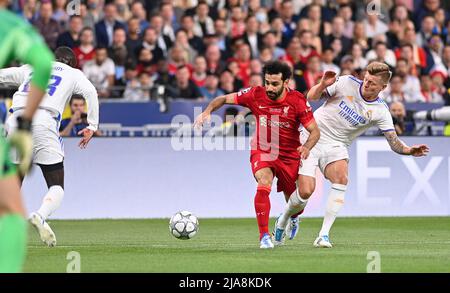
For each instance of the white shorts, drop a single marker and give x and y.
(48, 148)
(320, 156)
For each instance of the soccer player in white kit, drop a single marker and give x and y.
(48, 150)
(351, 107)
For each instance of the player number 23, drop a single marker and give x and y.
(55, 80)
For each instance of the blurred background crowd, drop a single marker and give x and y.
(198, 49)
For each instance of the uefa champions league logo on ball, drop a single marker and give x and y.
(73, 7)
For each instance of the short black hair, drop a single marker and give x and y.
(65, 55)
(276, 67)
(76, 97)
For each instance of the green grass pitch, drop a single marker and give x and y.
(231, 245)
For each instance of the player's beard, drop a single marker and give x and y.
(274, 95)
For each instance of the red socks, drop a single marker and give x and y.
(262, 208)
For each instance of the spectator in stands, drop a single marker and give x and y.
(411, 84)
(204, 24)
(95, 13)
(311, 76)
(177, 57)
(198, 75)
(327, 62)
(84, 16)
(292, 56)
(146, 62)
(210, 89)
(227, 82)
(71, 37)
(187, 23)
(427, 7)
(430, 93)
(394, 92)
(59, 12)
(123, 10)
(118, 52)
(100, 71)
(287, 15)
(255, 8)
(182, 87)
(221, 32)
(252, 36)
(270, 41)
(359, 36)
(382, 53)
(345, 11)
(306, 49)
(337, 33)
(255, 67)
(181, 39)
(358, 58)
(374, 26)
(426, 30)
(164, 41)
(46, 26)
(236, 22)
(416, 56)
(78, 120)
(214, 60)
(255, 80)
(30, 10)
(347, 65)
(133, 41)
(86, 50)
(150, 42)
(169, 19)
(394, 34)
(438, 78)
(434, 53)
(138, 12)
(104, 29)
(402, 125)
(265, 55)
(446, 58)
(242, 58)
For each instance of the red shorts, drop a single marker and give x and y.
(285, 169)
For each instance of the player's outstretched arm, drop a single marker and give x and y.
(400, 147)
(213, 106)
(313, 138)
(328, 78)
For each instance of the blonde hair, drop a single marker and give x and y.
(381, 70)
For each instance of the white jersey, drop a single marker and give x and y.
(345, 115)
(64, 82)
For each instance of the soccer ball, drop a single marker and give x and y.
(183, 225)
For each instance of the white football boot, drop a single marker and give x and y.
(45, 232)
(322, 242)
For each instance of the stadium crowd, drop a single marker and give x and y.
(199, 49)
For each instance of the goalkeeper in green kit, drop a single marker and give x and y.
(19, 41)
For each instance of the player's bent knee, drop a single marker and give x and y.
(305, 193)
(342, 179)
(265, 180)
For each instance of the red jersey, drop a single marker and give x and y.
(82, 57)
(277, 122)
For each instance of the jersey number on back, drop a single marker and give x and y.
(55, 80)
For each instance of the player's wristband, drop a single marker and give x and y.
(23, 123)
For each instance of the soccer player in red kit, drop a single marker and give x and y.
(275, 147)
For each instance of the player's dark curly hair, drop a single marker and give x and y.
(65, 55)
(276, 67)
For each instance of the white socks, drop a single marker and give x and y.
(51, 202)
(334, 204)
(295, 205)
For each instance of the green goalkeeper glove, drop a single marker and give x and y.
(22, 141)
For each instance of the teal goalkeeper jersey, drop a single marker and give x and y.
(19, 41)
